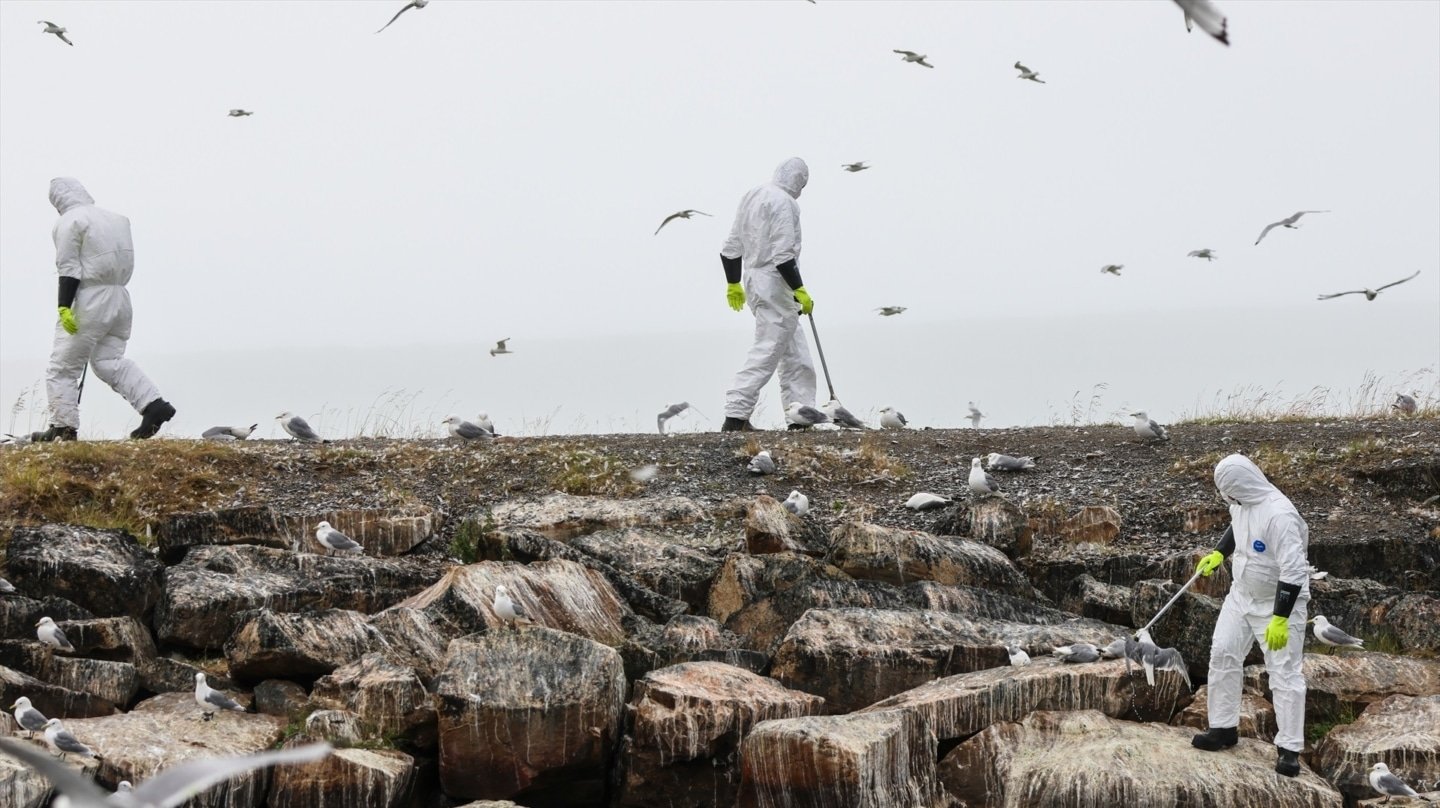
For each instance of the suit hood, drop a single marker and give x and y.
(792, 175)
(67, 193)
(1239, 479)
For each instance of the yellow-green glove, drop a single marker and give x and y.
(802, 297)
(1210, 563)
(1277, 633)
(735, 296)
(67, 320)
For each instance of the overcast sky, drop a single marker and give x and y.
(491, 169)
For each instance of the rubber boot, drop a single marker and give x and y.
(55, 433)
(152, 417)
(1288, 763)
(737, 425)
(1216, 738)
(797, 427)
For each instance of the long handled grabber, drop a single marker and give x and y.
(80, 386)
(821, 351)
(1168, 604)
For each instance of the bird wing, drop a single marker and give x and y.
(701, 212)
(1337, 636)
(668, 219)
(990, 481)
(61, 34)
(500, 344)
(1209, 18)
(396, 17)
(1021, 68)
(813, 415)
(215, 431)
(215, 698)
(179, 783)
(1397, 283)
(1267, 229)
(1341, 294)
(82, 792)
(469, 431)
(907, 53)
(340, 541)
(921, 61)
(1388, 783)
(300, 429)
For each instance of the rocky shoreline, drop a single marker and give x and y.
(689, 642)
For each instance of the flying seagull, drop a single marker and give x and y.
(797, 503)
(841, 416)
(761, 463)
(500, 347)
(167, 789)
(1332, 635)
(1403, 402)
(853, 167)
(980, 482)
(1209, 18)
(413, 4)
(1146, 429)
(507, 609)
(891, 418)
(668, 413)
(684, 214)
(912, 56)
(465, 430)
(1000, 462)
(974, 416)
(804, 416)
(1369, 293)
(50, 634)
(332, 539)
(241, 113)
(212, 700)
(890, 311)
(1388, 784)
(1027, 73)
(1206, 253)
(1113, 269)
(1288, 221)
(30, 719)
(52, 28)
(228, 432)
(297, 427)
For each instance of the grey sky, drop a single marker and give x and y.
(492, 169)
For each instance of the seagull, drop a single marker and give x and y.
(912, 56)
(841, 416)
(1018, 657)
(1208, 16)
(1369, 293)
(890, 311)
(507, 609)
(1403, 402)
(228, 432)
(853, 167)
(1077, 652)
(482, 420)
(332, 539)
(413, 4)
(241, 113)
(51, 635)
(1138, 646)
(52, 28)
(1148, 430)
(925, 501)
(297, 428)
(212, 700)
(465, 430)
(1113, 269)
(797, 503)
(684, 214)
(761, 463)
(1165, 659)
(980, 482)
(500, 347)
(1388, 784)
(1206, 253)
(975, 415)
(891, 418)
(1332, 635)
(1027, 73)
(168, 789)
(124, 787)
(62, 742)
(1289, 222)
(999, 462)
(1317, 574)
(6, 588)
(1114, 650)
(670, 412)
(803, 416)
(30, 719)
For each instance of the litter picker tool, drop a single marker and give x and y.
(1168, 604)
(80, 385)
(821, 351)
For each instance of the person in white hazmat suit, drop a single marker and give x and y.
(764, 244)
(95, 258)
(1270, 590)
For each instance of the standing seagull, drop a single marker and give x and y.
(61, 742)
(684, 214)
(482, 420)
(853, 167)
(890, 311)
(797, 503)
(841, 416)
(465, 430)
(1148, 430)
(50, 634)
(975, 415)
(1206, 253)
(891, 418)
(413, 4)
(917, 58)
(1388, 784)
(332, 539)
(1288, 221)
(1404, 403)
(52, 28)
(668, 413)
(30, 719)
(1027, 73)
(980, 482)
(801, 416)
(212, 700)
(1369, 293)
(297, 428)
(1113, 269)
(1208, 16)
(500, 347)
(228, 432)
(1332, 635)
(241, 113)
(506, 609)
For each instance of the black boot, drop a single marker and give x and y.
(737, 425)
(797, 427)
(1288, 763)
(54, 433)
(1216, 738)
(155, 413)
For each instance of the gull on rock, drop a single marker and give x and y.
(1077, 652)
(917, 58)
(797, 503)
(1207, 253)
(465, 430)
(211, 700)
(482, 420)
(50, 634)
(925, 501)
(507, 609)
(1332, 636)
(980, 482)
(1384, 782)
(1027, 73)
(1288, 221)
(1000, 462)
(1207, 16)
(891, 418)
(1405, 403)
(412, 4)
(297, 428)
(684, 214)
(1148, 430)
(30, 719)
(52, 28)
(840, 416)
(62, 743)
(1018, 657)
(333, 540)
(804, 416)
(1369, 293)
(761, 463)
(228, 432)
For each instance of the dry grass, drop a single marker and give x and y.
(1370, 399)
(868, 463)
(1305, 470)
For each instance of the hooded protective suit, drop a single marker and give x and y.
(93, 246)
(1269, 574)
(766, 234)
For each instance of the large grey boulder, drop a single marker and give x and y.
(19, 614)
(658, 560)
(1088, 760)
(105, 571)
(353, 778)
(532, 715)
(769, 528)
(897, 557)
(52, 700)
(415, 638)
(564, 515)
(390, 699)
(1371, 609)
(685, 638)
(1351, 681)
(112, 682)
(1109, 602)
(22, 786)
(1402, 732)
(271, 645)
(1257, 716)
(382, 532)
(251, 524)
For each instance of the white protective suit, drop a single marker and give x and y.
(766, 233)
(1271, 541)
(93, 245)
